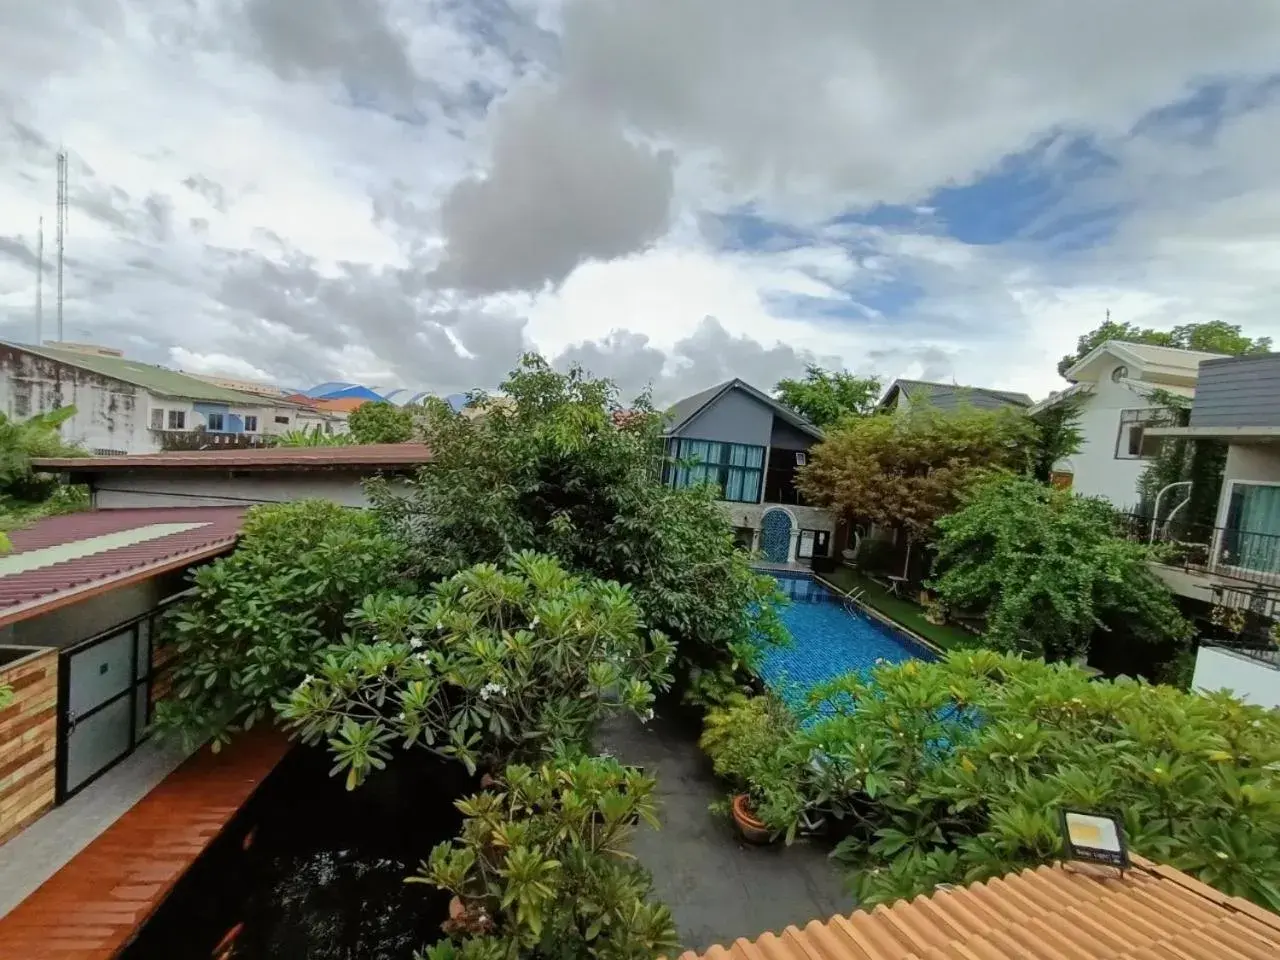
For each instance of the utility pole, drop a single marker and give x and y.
(62, 227)
(40, 282)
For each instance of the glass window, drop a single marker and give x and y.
(1132, 442)
(1252, 537)
(157, 419)
(734, 468)
(250, 424)
(214, 422)
(177, 420)
(284, 420)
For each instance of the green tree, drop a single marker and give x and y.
(1049, 570)
(824, 397)
(1059, 435)
(21, 441)
(1218, 336)
(380, 422)
(1213, 336)
(262, 618)
(542, 868)
(912, 469)
(557, 469)
(492, 666)
(314, 437)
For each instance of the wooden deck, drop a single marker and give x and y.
(90, 909)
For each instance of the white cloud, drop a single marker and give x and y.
(260, 186)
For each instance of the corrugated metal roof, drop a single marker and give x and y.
(1063, 912)
(159, 380)
(29, 592)
(372, 455)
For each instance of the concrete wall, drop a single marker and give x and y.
(735, 417)
(1238, 392)
(110, 414)
(1096, 470)
(28, 740)
(205, 489)
(87, 618)
(1250, 680)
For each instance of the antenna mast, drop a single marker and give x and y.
(40, 283)
(62, 227)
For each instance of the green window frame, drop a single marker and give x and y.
(735, 469)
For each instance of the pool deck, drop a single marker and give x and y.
(91, 908)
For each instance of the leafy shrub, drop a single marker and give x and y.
(260, 619)
(956, 771)
(490, 667)
(752, 744)
(1050, 571)
(542, 868)
(380, 422)
(560, 469)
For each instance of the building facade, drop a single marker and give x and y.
(124, 407)
(1232, 564)
(749, 446)
(1116, 384)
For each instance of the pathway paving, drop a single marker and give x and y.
(91, 907)
(718, 888)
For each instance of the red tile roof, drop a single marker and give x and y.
(1072, 912)
(28, 593)
(357, 456)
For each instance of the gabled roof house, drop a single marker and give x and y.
(1116, 382)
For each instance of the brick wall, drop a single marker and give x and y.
(28, 740)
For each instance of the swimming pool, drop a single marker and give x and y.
(828, 640)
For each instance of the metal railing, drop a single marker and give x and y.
(1227, 552)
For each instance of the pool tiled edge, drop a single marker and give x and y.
(883, 618)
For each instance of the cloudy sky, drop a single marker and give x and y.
(412, 192)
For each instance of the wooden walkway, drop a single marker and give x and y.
(91, 908)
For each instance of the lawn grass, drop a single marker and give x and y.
(902, 610)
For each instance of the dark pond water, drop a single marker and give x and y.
(310, 871)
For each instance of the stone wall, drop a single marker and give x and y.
(28, 740)
(750, 516)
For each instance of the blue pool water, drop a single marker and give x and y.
(828, 640)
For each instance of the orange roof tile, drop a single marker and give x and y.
(1063, 912)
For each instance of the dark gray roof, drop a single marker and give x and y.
(682, 411)
(949, 396)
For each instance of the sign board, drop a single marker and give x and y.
(1095, 838)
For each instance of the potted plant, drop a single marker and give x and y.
(751, 827)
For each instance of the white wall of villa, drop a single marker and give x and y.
(1096, 470)
(1250, 680)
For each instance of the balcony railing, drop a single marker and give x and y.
(783, 493)
(1247, 556)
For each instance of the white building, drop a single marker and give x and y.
(124, 406)
(1116, 380)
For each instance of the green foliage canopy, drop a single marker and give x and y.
(542, 868)
(824, 397)
(911, 469)
(260, 619)
(380, 422)
(492, 666)
(562, 468)
(1049, 570)
(956, 771)
(1212, 336)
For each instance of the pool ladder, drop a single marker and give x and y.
(853, 602)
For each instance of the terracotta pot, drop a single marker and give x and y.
(753, 829)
